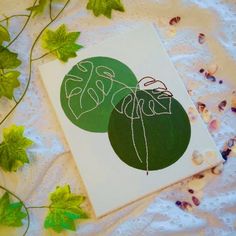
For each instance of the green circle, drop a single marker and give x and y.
(87, 90)
(167, 135)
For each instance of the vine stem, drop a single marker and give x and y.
(13, 16)
(30, 66)
(14, 98)
(45, 54)
(22, 29)
(37, 207)
(50, 10)
(23, 204)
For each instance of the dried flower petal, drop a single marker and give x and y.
(222, 105)
(214, 125)
(201, 38)
(196, 201)
(226, 153)
(197, 158)
(212, 69)
(190, 92)
(218, 169)
(186, 206)
(200, 107)
(199, 176)
(174, 20)
(206, 115)
(201, 70)
(210, 77)
(178, 203)
(233, 102)
(191, 191)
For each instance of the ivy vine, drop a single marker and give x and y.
(65, 206)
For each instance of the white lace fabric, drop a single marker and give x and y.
(51, 162)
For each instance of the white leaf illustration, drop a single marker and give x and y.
(153, 100)
(88, 90)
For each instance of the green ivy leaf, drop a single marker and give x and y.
(105, 7)
(10, 213)
(8, 59)
(61, 43)
(64, 209)
(40, 7)
(4, 35)
(13, 148)
(8, 82)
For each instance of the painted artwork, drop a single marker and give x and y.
(147, 128)
(128, 119)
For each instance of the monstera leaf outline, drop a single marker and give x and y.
(95, 89)
(156, 95)
(154, 104)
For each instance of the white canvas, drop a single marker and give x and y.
(110, 183)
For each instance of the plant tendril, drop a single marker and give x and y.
(23, 28)
(13, 16)
(38, 207)
(45, 54)
(50, 10)
(31, 60)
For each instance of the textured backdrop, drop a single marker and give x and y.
(51, 161)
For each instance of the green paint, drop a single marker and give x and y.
(87, 90)
(167, 135)
(148, 129)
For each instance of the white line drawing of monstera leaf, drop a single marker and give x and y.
(157, 102)
(85, 93)
(155, 105)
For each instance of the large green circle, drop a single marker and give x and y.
(87, 90)
(167, 135)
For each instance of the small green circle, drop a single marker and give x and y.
(166, 135)
(88, 89)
